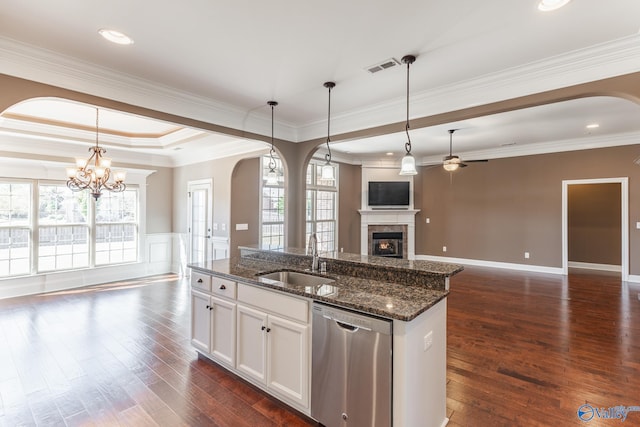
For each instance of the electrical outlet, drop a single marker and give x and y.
(444, 249)
(427, 220)
(224, 227)
(526, 255)
(215, 226)
(428, 341)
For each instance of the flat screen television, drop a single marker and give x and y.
(389, 193)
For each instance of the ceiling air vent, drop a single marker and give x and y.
(384, 65)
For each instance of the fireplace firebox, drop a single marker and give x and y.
(387, 244)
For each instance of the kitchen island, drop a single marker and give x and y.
(259, 327)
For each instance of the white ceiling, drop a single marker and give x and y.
(238, 54)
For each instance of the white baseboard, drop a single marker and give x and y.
(492, 264)
(633, 278)
(594, 266)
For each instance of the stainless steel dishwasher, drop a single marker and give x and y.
(351, 368)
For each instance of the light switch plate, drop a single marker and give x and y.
(242, 227)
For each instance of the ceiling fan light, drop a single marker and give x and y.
(451, 165)
(408, 166)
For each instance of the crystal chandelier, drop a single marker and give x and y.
(94, 173)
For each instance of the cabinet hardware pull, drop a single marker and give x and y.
(211, 308)
(268, 329)
(208, 307)
(223, 287)
(263, 328)
(199, 280)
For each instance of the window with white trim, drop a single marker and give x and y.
(272, 203)
(15, 228)
(117, 227)
(46, 227)
(63, 228)
(322, 206)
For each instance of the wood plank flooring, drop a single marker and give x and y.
(523, 350)
(529, 349)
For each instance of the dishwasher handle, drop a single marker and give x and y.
(349, 327)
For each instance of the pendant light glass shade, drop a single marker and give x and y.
(272, 175)
(327, 168)
(408, 166)
(327, 172)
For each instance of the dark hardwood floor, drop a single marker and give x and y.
(523, 349)
(529, 349)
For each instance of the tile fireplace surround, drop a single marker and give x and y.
(388, 220)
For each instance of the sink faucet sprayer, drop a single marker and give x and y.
(312, 249)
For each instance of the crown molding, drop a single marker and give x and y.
(44, 66)
(586, 143)
(615, 58)
(618, 57)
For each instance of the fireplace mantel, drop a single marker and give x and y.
(388, 217)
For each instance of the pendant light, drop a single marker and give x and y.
(408, 166)
(272, 175)
(327, 168)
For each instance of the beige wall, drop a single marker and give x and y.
(219, 171)
(594, 223)
(350, 187)
(496, 211)
(245, 203)
(160, 201)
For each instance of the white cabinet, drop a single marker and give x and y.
(273, 342)
(252, 343)
(213, 318)
(288, 359)
(261, 334)
(223, 330)
(200, 321)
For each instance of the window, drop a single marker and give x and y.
(46, 227)
(272, 207)
(63, 228)
(321, 206)
(15, 228)
(116, 227)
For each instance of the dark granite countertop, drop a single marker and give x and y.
(400, 300)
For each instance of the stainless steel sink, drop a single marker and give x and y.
(297, 278)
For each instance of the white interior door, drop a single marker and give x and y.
(200, 220)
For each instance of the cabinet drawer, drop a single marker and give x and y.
(275, 302)
(200, 281)
(223, 287)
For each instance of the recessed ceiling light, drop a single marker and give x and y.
(549, 5)
(389, 153)
(593, 126)
(115, 36)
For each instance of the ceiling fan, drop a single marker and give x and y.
(451, 163)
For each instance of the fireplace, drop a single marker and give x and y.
(387, 244)
(388, 241)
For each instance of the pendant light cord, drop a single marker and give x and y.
(272, 161)
(407, 146)
(329, 85)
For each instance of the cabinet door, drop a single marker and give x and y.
(201, 321)
(251, 339)
(288, 359)
(223, 333)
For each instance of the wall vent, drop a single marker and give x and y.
(384, 65)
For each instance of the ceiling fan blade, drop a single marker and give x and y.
(477, 161)
(463, 165)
